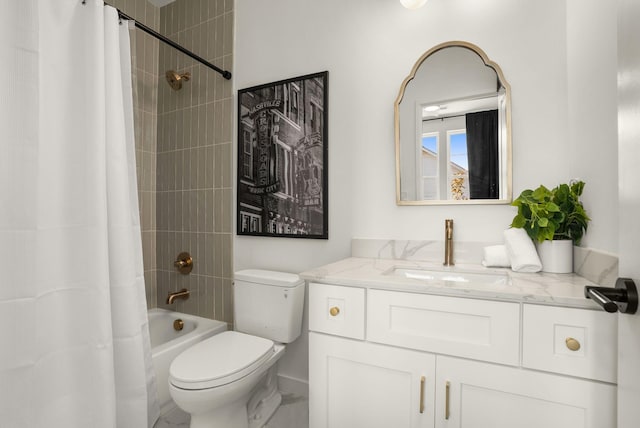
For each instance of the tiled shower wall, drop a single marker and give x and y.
(194, 159)
(145, 63)
(183, 152)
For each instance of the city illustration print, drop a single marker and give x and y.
(282, 158)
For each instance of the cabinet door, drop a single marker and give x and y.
(482, 395)
(354, 384)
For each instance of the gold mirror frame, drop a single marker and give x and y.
(507, 87)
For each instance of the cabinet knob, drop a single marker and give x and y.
(334, 311)
(572, 344)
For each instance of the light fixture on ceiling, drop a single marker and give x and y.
(431, 109)
(413, 4)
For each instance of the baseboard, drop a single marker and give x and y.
(291, 385)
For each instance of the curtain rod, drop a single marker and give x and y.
(226, 74)
(454, 116)
(444, 117)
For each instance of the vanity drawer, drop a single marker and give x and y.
(337, 310)
(576, 342)
(479, 329)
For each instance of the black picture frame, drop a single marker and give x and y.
(282, 174)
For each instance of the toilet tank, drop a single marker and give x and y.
(268, 304)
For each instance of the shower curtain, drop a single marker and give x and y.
(74, 341)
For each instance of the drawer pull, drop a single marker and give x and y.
(422, 381)
(446, 400)
(572, 344)
(334, 311)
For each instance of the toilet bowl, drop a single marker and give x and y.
(213, 380)
(229, 380)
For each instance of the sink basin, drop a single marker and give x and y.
(428, 275)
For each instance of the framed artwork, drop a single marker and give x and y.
(282, 158)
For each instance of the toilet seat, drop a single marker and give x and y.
(219, 360)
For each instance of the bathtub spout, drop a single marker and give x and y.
(182, 294)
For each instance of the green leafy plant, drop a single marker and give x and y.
(552, 214)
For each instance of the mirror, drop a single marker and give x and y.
(453, 130)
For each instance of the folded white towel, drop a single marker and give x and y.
(522, 252)
(495, 256)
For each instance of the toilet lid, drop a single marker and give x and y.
(219, 360)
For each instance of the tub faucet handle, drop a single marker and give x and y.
(184, 263)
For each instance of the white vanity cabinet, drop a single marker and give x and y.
(421, 360)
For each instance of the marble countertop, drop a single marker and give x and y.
(542, 288)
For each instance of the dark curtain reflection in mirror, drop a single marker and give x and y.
(482, 150)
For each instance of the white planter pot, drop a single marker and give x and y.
(556, 256)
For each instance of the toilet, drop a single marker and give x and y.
(230, 379)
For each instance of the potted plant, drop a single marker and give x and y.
(556, 220)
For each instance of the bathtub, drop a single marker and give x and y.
(167, 343)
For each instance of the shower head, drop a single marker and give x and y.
(175, 80)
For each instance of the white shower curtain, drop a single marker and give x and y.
(74, 341)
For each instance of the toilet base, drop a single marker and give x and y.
(233, 415)
(268, 408)
(265, 401)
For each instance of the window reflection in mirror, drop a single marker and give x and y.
(458, 172)
(452, 179)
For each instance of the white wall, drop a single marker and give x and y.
(369, 46)
(592, 120)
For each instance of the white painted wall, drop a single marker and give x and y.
(592, 118)
(369, 46)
